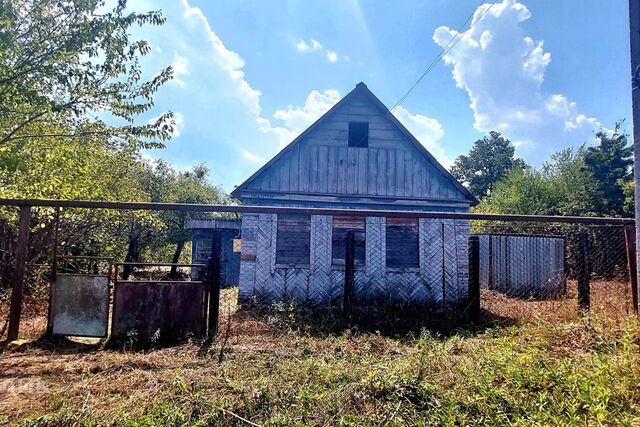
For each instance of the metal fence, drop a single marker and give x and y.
(372, 268)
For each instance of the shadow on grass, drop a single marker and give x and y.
(59, 344)
(397, 322)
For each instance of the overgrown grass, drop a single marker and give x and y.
(274, 372)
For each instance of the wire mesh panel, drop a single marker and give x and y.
(529, 267)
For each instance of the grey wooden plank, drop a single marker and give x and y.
(407, 172)
(391, 172)
(415, 165)
(314, 169)
(342, 170)
(399, 171)
(372, 171)
(303, 169)
(332, 170)
(381, 176)
(323, 169)
(294, 175)
(284, 176)
(362, 171)
(381, 135)
(352, 177)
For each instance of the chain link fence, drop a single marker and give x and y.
(327, 268)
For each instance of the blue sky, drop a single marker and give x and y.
(251, 75)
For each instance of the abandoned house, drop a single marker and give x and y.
(357, 155)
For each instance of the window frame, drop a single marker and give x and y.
(345, 224)
(396, 224)
(284, 220)
(199, 241)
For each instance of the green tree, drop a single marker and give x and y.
(489, 161)
(165, 184)
(572, 183)
(63, 61)
(562, 186)
(610, 163)
(81, 169)
(524, 191)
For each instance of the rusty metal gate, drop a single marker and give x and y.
(165, 309)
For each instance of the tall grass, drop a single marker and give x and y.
(274, 372)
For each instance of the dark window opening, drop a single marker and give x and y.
(402, 243)
(341, 226)
(358, 134)
(293, 239)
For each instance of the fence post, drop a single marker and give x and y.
(630, 243)
(349, 272)
(213, 285)
(474, 279)
(584, 298)
(54, 273)
(18, 273)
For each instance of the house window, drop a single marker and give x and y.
(341, 226)
(203, 249)
(402, 243)
(292, 241)
(358, 134)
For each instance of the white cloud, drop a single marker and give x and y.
(179, 120)
(302, 46)
(229, 61)
(312, 46)
(178, 123)
(252, 157)
(297, 119)
(427, 130)
(180, 67)
(332, 56)
(315, 46)
(502, 70)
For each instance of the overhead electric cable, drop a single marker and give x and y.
(450, 45)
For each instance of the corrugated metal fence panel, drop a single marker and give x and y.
(523, 266)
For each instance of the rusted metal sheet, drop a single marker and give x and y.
(158, 311)
(80, 305)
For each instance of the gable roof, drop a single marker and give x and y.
(361, 88)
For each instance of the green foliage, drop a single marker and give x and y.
(589, 181)
(80, 168)
(165, 184)
(62, 62)
(489, 161)
(610, 164)
(561, 187)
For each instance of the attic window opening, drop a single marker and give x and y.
(358, 134)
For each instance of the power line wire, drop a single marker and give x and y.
(442, 53)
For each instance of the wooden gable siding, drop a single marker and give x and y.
(322, 163)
